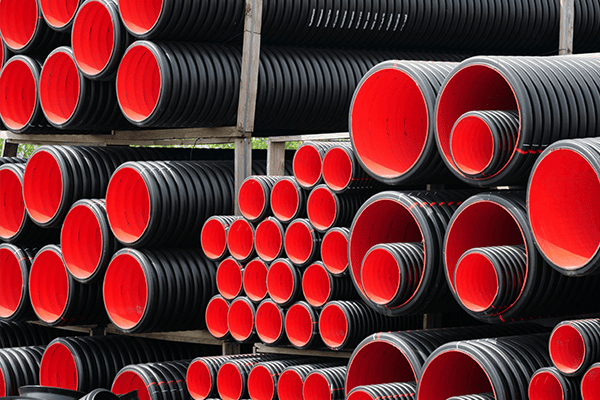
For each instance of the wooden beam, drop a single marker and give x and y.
(10, 149)
(202, 337)
(567, 17)
(275, 158)
(301, 138)
(243, 165)
(263, 348)
(230, 348)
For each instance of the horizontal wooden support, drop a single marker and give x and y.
(263, 348)
(202, 337)
(87, 329)
(299, 138)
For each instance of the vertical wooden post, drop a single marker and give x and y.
(567, 17)
(243, 164)
(230, 348)
(275, 158)
(9, 149)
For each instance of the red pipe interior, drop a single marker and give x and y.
(2, 385)
(59, 87)
(199, 380)
(474, 87)
(216, 317)
(359, 395)
(140, 16)
(298, 242)
(280, 282)
(333, 326)
(268, 240)
(12, 208)
(316, 387)
(261, 385)
(284, 200)
(58, 13)
(255, 280)
(229, 278)
(252, 199)
(11, 283)
(58, 368)
(129, 381)
(560, 211)
(316, 285)
(307, 166)
(42, 186)
(452, 373)
(567, 349)
(125, 291)
(321, 208)
(298, 325)
(240, 239)
(213, 239)
(380, 276)
(48, 286)
(472, 145)
(476, 282)
(128, 205)
(465, 232)
(138, 82)
(240, 320)
(229, 382)
(370, 229)
(18, 91)
(289, 385)
(545, 386)
(590, 384)
(337, 169)
(389, 123)
(93, 37)
(18, 20)
(334, 252)
(269, 322)
(81, 242)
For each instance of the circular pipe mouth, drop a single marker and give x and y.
(269, 323)
(213, 239)
(18, 92)
(285, 200)
(298, 242)
(364, 368)
(360, 395)
(268, 240)
(545, 386)
(321, 208)
(252, 199)
(298, 325)
(240, 239)
(18, 22)
(333, 326)
(567, 349)
(139, 82)
(240, 320)
(128, 381)
(42, 187)
(199, 380)
(369, 229)
(553, 190)
(389, 123)
(128, 205)
(380, 276)
(452, 373)
(140, 16)
(316, 387)
(260, 384)
(58, 368)
(471, 145)
(216, 320)
(255, 280)
(93, 38)
(229, 278)
(280, 282)
(334, 252)
(307, 166)
(11, 284)
(476, 282)
(289, 385)
(473, 87)
(125, 291)
(12, 208)
(59, 13)
(49, 286)
(230, 382)
(60, 87)
(337, 169)
(316, 285)
(81, 242)
(590, 384)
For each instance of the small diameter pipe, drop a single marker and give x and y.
(268, 239)
(327, 209)
(319, 286)
(232, 378)
(263, 378)
(255, 280)
(308, 161)
(15, 266)
(269, 323)
(590, 384)
(288, 200)
(291, 380)
(229, 278)
(302, 326)
(213, 237)
(302, 242)
(575, 345)
(334, 250)
(254, 196)
(240, 240)
(216, 317)
(284, 282)
(342, 171)
(550, 384)
(403, 390)
(325, 384)
(19, 366)
(241, 320)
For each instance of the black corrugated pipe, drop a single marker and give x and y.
(543, 291)
(154, 381)
(59, 15)
(319, 286)
(291, 380)
(342, 171)
(19, 366)
(334, 251)
(485, 365)
(15, 264)
(288, 200)
(254, 197)
(302, 326)
(308, 163)
(240, 240)
(264, 378)
(480, 396)
(270, 318)
(408, 350)
(302, 242)
(550, 384)
(20, 334)
(284, 282)
(216, 317)
(232, 378)
(325, 384)
(255, 280)
(268, 239)
(327, 209)
(158, 290)
(229, 278)
(241, 319)
(575, 345)
(590, 383)
(213, 237)
(538, 89)
(404, 390)
(47, 392)
(343, 323)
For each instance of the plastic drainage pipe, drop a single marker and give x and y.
(216, 317)
(213, 237)
(393, 135)
(334, 251)
(342, 171)
(288, 200)
(302, 326)
(19, 366)
(319, 286)
(308, 161)
(264, 376)
(142, 377)
(56, 297)
(270, 326)
(232, 378)
(327, 209)
(59, 15)
(575, 345)
(255, 280)
(254, 196)
(99, 39)
(301, 242)
(550, 384)
(590, 388)
(241, 319)
(291, 380)
(284, 282)
(480, 396)
(20, 334)
(15, 264)
(325, 384)
(240, 240)
(404, 390)
(268, 239)
(229, 278)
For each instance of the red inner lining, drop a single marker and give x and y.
(389, 123)
(58, 368)
(18, 19)
(240, 239)
(81, 242)
(284, 200)
(298, 242)
(199, 380)
(380, 276)
(545, 386)
(334, 252)
(476, 282)
(18, 92)
(229, 382)
(269, 322)
(359, 395)
(268, 240)
(289, 386)
(229, 278)
(48, 286)
(321, 208)
(298, 325)
(316, 387)
(567, 349)
(252, 200)
(93, 38)
(255, 280)
(59, 87)
(333, 326)
(260, 384)
(140, 16)
(280, 282)
(12, 207)
(240, 320)
(216, 318)
(129, 381)
(315, 285)
(590, 385)
(125, 291)
(213, 239)
(307, 166)
(42, 186)
(560, 211)
(58, 13)
(472, 145)
(11, 284)
(337, 169)
(2, 385)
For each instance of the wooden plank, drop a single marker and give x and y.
(87, 329)
(10, 149)
(243, 165)
(432, 321)
(275, 158)
(567, 17)
(202, 337)
(230, 348)
(263, 348)
(301, 138)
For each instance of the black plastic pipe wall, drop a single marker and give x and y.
(19, 366)
(15, 264)
(155, 381)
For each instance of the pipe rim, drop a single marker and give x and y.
(334, 252)
(544, 385)
(127, 381)
(252, 199)
(19, 99)
(49, 285)
(471, 145)
(60, 87)
(216, 320)
(316, 285)
(43, 186)
(281, 281)
(289, 385)
(255, 280)
(261, 385)
(229, 278)
(567, 349)
(299, 325)
(268, 240)
(333, 326)
(476, 281)
(316, 387)
(285, 201)
(380, 276)
(269, 323)
(337, 169)
(240, 239)
(58, 367)
(12, 283)
(199, 380)
(240, 320)
(298, 242)
(590, 384)
(12, 208)
(322, 208)
(307, 166)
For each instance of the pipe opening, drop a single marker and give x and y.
(58, 13)
(240, 239)
(567, 349)
(199, 380)
(18, 21)
(269, 322)
(476, 282)
(337, 169)
(140, 16)
(255, 280)
(252, 199)
(316, 285)
(590, 385)
(229, 382)
(268, 240)
(59, 87)
(545, 386)
(260, 384)
(49, 286)
(93, 38)
(289, 386)
(333, 326)
(360, 395)
(321, 208)
(380, 276)
(129, 381)
(280, 282)
(12, 208)
(213, 239)
(472, 145)
(298, 325)
(42, 186)
(216, 318)
(316, 387)
(81, 242)
(334, 252)
(11, 284)
(18, 92)
(298, 242)
(229, 278)
(240, 320)
(58, 368)
(285, 201)
(307, 166)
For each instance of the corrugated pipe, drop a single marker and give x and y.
(15, 264)
(334, 251)
(213, 237)
(216, 317)
(302, 326)
(319, 286)
(549, 383)
(302, 243)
